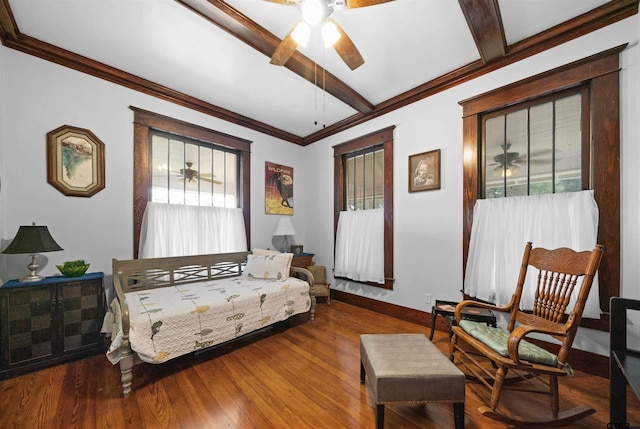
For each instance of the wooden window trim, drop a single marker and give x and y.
(583, 91)
(143, 122)
(382, 137)
(601, 73)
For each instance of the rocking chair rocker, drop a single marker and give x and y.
(488, 354)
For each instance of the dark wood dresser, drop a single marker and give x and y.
(47, 322)
(302, 260)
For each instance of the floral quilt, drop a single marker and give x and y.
(169, 322)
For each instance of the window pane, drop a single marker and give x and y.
(350, 184)
(359, 182)
(494, 149)
(193, 173)
(177, 168)
(379, 179)
(368, 179)
(218, 177)
(568, 144)
(541, 151)
(160, 169)
(364, 180)
(515, 153)
(230, 188)
(534, 150)
(205, 173)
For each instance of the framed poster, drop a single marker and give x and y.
(75, 161)
(424, 171)
(278, 190)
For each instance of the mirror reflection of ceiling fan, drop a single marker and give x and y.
(508, 161)
(315, 12)
(190, 175)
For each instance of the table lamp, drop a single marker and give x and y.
(32, 239)
(285, 227)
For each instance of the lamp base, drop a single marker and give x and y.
(32, 278)
(33, 266)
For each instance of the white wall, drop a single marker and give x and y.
(2, 163)
(428, 225)
(37, 97)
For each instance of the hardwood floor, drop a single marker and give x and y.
(306, 376)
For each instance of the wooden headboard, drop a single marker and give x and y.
(141, 274)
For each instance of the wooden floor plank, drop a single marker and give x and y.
(307, 376)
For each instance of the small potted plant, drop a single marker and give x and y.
(73, 268)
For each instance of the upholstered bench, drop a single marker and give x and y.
(409, 368)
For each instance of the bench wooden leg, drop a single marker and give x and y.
(380, 416)
(458, 414)
(362, 373)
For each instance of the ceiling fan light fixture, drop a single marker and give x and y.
(301, 34)
(313, 11)
(330, 33)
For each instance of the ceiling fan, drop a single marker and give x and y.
(508, 161)
(190, 175)
(315, 12)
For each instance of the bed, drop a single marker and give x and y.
(168, 307)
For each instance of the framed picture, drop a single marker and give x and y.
(75, 161)
(424, 171)
(278, 192)
(296, 249)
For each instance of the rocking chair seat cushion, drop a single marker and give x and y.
(497, 339)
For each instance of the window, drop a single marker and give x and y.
(186, 171)
(596, 79)
(537, 147)
(363, 179)
(170, 154)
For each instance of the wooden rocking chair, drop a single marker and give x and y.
(488, 353)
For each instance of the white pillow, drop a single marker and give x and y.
(263, 252)
(274, 266)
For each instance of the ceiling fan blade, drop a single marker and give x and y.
(352, 4)
(206, 179)
(285, 49)
(287, 2)
(346, 49)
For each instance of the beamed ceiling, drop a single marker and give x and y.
(213, 56)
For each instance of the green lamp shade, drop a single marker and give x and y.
(32, 239)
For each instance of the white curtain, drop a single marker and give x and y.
(360, 245)
(503, 226)
(179, 230)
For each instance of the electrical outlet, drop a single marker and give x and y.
(427, 298)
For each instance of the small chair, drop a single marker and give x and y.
(320, 285)
(488, 353)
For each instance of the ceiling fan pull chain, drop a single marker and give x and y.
(324, 89)
(315, 91)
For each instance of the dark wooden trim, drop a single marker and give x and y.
(143, 121)
(384, 137)
(141, 180)
(364, 142)
(8, 25)
(185, 129)
(581, 360)
(601, 73)
(232, 21)
(598, 18)
(249, 32)
(484, 21)
(559, 78)
(86, 65)
(403, 313)
(605, 141)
